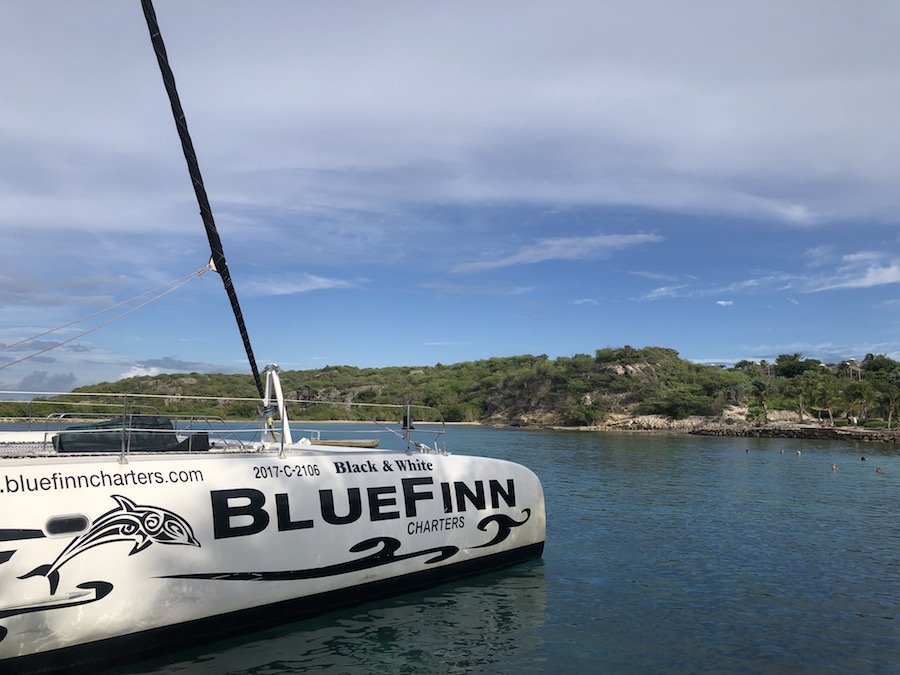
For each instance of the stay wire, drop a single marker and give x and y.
(12, 345)
(170, 287)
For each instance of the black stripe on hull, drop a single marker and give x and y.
(136, 646)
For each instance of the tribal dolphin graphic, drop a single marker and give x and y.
(138, 523)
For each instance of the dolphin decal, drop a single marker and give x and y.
(138, 523)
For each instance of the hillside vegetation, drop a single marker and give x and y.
(580, 390)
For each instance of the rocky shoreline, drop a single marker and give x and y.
(809, 432)
(780, 424)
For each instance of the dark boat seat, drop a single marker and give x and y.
(143, 433)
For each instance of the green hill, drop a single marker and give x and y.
(579, 390)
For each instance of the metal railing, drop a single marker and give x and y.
(129, 423)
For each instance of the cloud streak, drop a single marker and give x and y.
(862, 272)
(560, 248)
(298, 283)
(854, 271)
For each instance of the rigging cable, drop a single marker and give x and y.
(177, 282)
(164, 290)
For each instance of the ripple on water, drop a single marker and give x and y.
(664, 554)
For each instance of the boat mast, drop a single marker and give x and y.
(217, 259)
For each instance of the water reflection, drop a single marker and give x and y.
(488, 624)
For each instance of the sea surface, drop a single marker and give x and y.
(664, 554)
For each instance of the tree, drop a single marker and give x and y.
(887, 391)
(793, 365)
(857, 396)
(878, 365)
(761, 390)
(806, 386)
(828, 392)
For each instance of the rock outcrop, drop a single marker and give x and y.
(733, 422)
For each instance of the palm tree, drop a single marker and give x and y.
(828, 393)
(857, 396)
(887, 392)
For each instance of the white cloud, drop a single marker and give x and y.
(654, 276)
(139, 371)
(572, 103)
(863, 257)
(767, 283)
(298, 283)
(561, 248)
(873, 275)
(477, 289)
(670, 291)
(724, 303)
(857, 271)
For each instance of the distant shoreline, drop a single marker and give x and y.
(809, 432)
(731, 427)
(654, 424)
(861, 435)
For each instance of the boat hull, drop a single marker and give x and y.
(183, 548)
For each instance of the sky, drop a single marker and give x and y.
(409, 183)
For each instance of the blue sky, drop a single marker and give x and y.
(408, 183)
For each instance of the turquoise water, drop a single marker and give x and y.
(672, 554)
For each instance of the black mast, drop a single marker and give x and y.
(217, 259)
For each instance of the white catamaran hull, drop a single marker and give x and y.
(176, 548)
